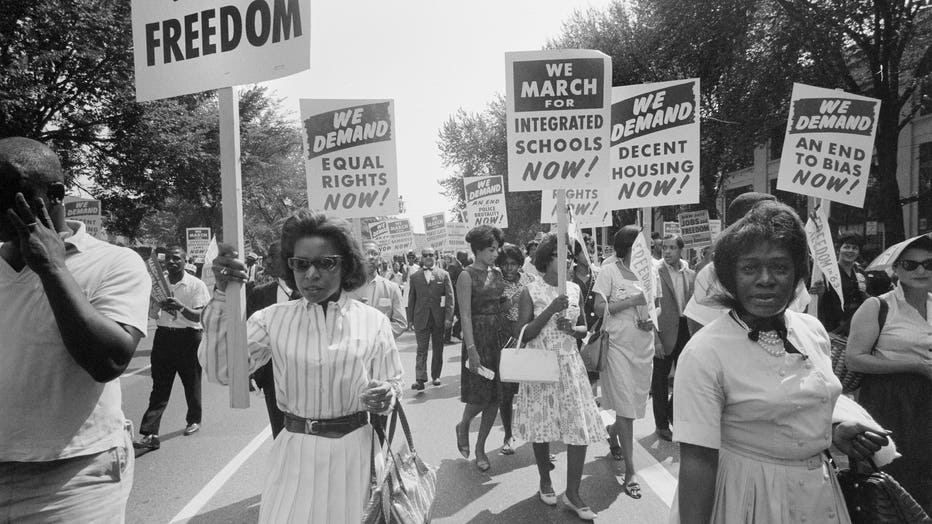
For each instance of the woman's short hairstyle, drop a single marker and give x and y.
(481, 237)
(624, 239)
(509, 252)
(768, 222)
(852, 239)
(546, 250)
(306, 223)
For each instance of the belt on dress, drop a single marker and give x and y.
(327, 428)
(813, 462)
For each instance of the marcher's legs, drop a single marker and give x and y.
(575, 459)
(163, 376)
(542, 458)
(624, 429)
(489, 412)
(506, 408)
(420, 362)
(189, 370)
(660, 391)
(436, 359)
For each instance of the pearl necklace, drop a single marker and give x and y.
(770, 342)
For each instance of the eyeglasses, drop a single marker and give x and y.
(428, 255)
(301, 265)
(912, 265)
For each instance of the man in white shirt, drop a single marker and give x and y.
(72, 310)
(174, 350)
(379, 292)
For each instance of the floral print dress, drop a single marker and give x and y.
(565, 410)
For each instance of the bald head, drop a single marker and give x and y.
(28, 167)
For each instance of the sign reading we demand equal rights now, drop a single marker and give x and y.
(349, 154)
(828, 145)
(558, 116)
(200, 45)
(655, 144)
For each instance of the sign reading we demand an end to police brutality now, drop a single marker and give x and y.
(655, 144)
(349, 155)
(558, 116)
(199, 45)
(485, 201)
(828, 145)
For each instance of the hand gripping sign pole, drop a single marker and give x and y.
(231, 184)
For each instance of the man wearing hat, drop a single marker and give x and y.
(252, 268)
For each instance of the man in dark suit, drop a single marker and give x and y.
(260, 297)
(430, 311)
(676, 282)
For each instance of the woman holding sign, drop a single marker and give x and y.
(335, 362)
(755, 393)
(630, 360)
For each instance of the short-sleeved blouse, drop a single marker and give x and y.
(731, 393)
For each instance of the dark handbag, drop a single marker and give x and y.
(874, 497)
(594, 352)
(850, 380)
(404, 492)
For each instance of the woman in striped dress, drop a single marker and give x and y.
(334, 360)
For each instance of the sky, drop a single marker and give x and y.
(432, 57)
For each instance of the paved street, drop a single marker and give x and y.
(215, 476)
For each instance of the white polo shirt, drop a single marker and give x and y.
(190, 291)
(50, 407)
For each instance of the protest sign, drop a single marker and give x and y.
(456, 237)
(435, 227)
(199, 45)
(420, 242)
(400, 236)
(695, 229)
(642, 265)
(715, 228)
(819, 237)
(828, 145)
(655, 144)
(558, 116)
(378, 231)
(85, 210)
(485, 201)
(671, 228)
(349, 156)
(160, 290)
(587, 206)
(364, 226)
(198, 240)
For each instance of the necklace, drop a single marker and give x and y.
(771, 343)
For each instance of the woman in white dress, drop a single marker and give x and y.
(563, 411)
(630, 360)
(755, 393)
(334, 360)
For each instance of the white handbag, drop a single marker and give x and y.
(526, 364)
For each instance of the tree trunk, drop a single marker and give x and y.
(887, 142)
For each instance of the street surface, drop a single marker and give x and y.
(216, 475)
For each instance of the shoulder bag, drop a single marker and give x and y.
(405, 489)
(526, 364)
(874, 497)
(594, 351)
(851, 380)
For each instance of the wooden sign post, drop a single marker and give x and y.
(561, 242)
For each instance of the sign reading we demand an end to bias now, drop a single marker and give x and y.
(189, 46)
(828, 145)
(655, 144)
(349, 154)
(485, 201)
(558, 116)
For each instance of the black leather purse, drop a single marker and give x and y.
(874, 497)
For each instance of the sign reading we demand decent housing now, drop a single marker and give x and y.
(828, 144)
(558, 117)
(349, 154)
(200, 45)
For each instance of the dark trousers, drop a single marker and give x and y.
(432, 333)
(265, 379)
(660, 384)
(173, 351)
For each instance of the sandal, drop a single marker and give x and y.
(507, 449)
(462, 442)
(633, 489)
(482, 464)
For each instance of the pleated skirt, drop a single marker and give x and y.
(317, 480)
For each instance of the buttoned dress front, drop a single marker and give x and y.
(322, 364)
(769, 417)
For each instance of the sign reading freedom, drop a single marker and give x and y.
(201, 45)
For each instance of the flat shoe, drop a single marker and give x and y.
(549, 499)
(462, 442)
(483, 465)
(583, 513)
(507, 449)
(633, 489)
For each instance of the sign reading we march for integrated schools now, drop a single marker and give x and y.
(349, 155)
(587, 206)
(394, 236)
(655, 144)
(828, 145)
(435, 227)
(198, 241)
(485, 201)
(199, 45)
(558, 117)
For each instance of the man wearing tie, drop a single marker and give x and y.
(430, 311)
(379, 292)
(676, 282)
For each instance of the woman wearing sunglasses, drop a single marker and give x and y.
(897, 363)
(335, 362)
